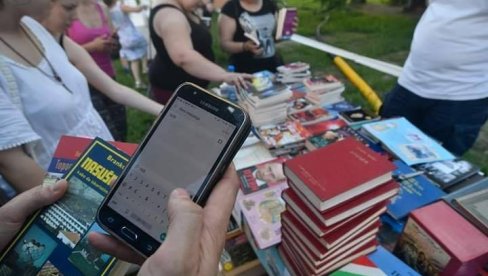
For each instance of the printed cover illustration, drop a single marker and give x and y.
(407, 142)
(262, 176)
(55, 237)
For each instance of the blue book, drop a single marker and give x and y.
(390, 264)
(406, 141)
(415, 192)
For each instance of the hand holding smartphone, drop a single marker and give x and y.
(189, 146)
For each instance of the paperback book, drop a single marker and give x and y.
(285, 23)
(55, 238)
(262, 176)
(448, 172)
(406, 141)
(311, 116)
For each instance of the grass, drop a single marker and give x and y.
(375, 32)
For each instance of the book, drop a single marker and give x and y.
(324, 175)
(448, 172)
(331, 136)
(414, 192)
(311, 116)
(474, 207)
(296, 201)
(262, 176)
(322, 83)
(470, 181)
(280, 135)
(475, 187)
(70, 148)
(293, 67)
(357, 117)
(389, 263)
(56, 236)
(237, 252)
(285, 23)
(362, 266)
(341, 106)
(322, 127)
(262, 211)
(406, 141)
(439, 241)
(298, 105)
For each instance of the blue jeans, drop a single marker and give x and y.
(456, 124)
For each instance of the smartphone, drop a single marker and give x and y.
(190, 145)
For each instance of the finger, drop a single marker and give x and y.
(182, 243)
(221, 201)
(20, 207)
(114, 247)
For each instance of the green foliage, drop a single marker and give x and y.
(327, 6)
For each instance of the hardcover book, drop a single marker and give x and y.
(55, 238)
(414, 192)
(285, 23)
(439, 241)
(262, 210)
(474, 207)
(407, 142)
(262, 176)
(448, 172)
(324, 175)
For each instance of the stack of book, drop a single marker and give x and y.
(324, 90)
(336, 196)
(266, 101)
(284, 138)
(293, 72)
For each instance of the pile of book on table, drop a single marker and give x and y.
(293, 72)
(323, 90)
(265, 100)
(336, 196)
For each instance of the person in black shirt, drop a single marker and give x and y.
(250, 16)
(183, 50)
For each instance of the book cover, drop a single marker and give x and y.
(285, 23)
(357, 116)
(289, 132)
(321, 127)
(311, 116)
(293, 67)
(298, 105)
(414, 192)
(448, 172)
(262, 176)
(238, 251)
(70, 148)
(341, 106)
(361, 266)
(319, 83)
(390, 264)
(55, 236)
(262, 210)
(439, 241)
(474, 207)
(407, 142)
(331, 136)
(324, 175)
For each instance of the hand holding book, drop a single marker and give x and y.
(14, 213)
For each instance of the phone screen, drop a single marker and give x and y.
(189, 140)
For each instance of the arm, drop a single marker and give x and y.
(96, 77)
(20, 170)
(132, 9)
(173, 27)
(227, 29)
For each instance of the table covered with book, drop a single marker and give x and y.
(329, 188)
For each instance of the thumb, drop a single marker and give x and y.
(26, 203)
(182, 244)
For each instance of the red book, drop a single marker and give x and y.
(314, 250)
(291, 256)
(358, 220)
(437, 240)
(321, 245)
(333, 174)
(70, 148)
(344, 210)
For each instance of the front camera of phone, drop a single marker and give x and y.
(194, 92)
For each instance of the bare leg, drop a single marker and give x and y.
(136, 72)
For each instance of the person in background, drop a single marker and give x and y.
(42, 95)
(184, 50)
(133, 44)
(256, 15)
(195, 238)
(443, 88)
(93, 30)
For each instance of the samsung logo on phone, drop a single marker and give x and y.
(209, 106)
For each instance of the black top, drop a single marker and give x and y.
(163, 73)
(263, 22)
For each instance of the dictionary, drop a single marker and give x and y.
(55, 238)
